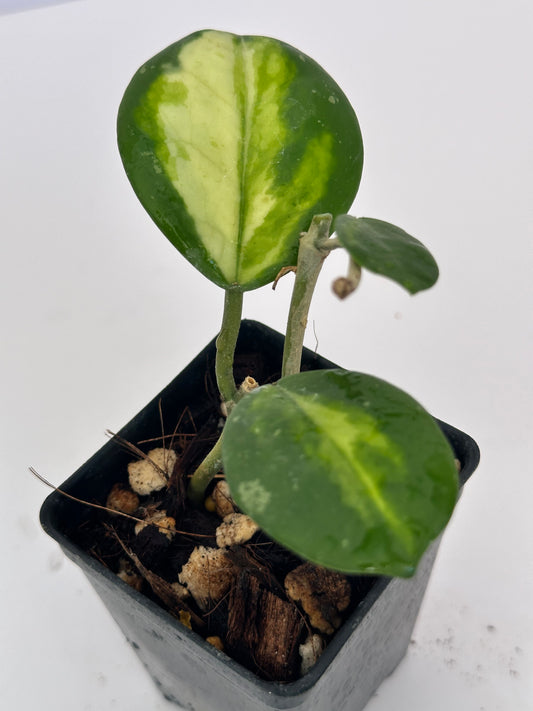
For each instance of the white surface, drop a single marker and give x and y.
(98, 312)
(7, 6)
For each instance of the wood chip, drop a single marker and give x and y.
(264, 630)
(322, 593)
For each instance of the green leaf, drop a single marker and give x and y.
(388, 250)
(344, 469)
(232, 144)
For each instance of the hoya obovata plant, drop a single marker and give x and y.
(247, 155)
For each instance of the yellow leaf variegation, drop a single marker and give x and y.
(343, 468)
(232, 144)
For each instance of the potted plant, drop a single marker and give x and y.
(331, 487)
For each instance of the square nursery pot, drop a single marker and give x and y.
(188, 670)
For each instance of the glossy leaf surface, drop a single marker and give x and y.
(232, 144)
(343, 468)
(387, 250)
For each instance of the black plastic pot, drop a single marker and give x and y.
(188, 670)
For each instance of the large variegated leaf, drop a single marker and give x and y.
(232, 144)
(343, 468)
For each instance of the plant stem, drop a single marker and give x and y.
(212, 463)
(210, 466)
(311, 254)
(314, 248)
(226, 342)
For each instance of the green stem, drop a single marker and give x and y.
(226, 342)
(210, 466)
(312, 251)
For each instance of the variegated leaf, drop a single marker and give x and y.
(343, 468)
(232, 144)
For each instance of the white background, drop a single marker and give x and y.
(99, 312)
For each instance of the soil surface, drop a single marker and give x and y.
(251, 598)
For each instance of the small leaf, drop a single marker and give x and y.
(232, 144)
(342, 468)
(386, 249)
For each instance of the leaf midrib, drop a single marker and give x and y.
(244, 108)
(380, 504)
